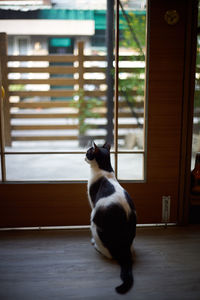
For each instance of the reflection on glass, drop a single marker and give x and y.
(196, 118)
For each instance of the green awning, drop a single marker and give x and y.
(99, 16)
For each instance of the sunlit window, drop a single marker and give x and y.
(60, 92)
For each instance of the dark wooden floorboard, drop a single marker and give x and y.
(63, 265)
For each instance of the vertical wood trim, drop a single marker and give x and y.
(165, 100)
(81, 67)
(146, 87)
(2, 143)
(4, 72)
(188, 108)
(81, 76)
(116, 85)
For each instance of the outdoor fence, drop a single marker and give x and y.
(42, 94)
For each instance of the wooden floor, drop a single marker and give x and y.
(63, 265)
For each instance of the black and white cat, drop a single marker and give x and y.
(113, 217)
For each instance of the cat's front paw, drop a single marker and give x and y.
(92, 241)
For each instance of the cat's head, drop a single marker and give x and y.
(100, 155)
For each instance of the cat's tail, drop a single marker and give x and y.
(126, 275)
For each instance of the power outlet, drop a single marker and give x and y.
(166, 200)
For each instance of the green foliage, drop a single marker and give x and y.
(17, 87)
(133, 37)
(126, 87)
(137, 24)
(85, 110)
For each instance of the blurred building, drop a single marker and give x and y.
(55, 26)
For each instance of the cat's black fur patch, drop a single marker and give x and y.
(117, 233)
(129, 200)
(103, 160)
(102, 157)
(90, 153)
(100, 189)
(115, 230)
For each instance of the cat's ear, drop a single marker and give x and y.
(96, 149)
(107, 146)
(93, 144)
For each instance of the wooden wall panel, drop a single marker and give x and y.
(66, 204)
(44, 204)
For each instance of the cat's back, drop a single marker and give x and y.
(114, 214)
(100, 189)
(106, 192)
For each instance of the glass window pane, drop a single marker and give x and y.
(54, 167)
(51, 167)
(61, 102)
(131, 77)
(130, 166)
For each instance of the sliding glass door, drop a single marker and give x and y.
(127, 90)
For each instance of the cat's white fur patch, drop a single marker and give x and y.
(98, 243)
(117, 197)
